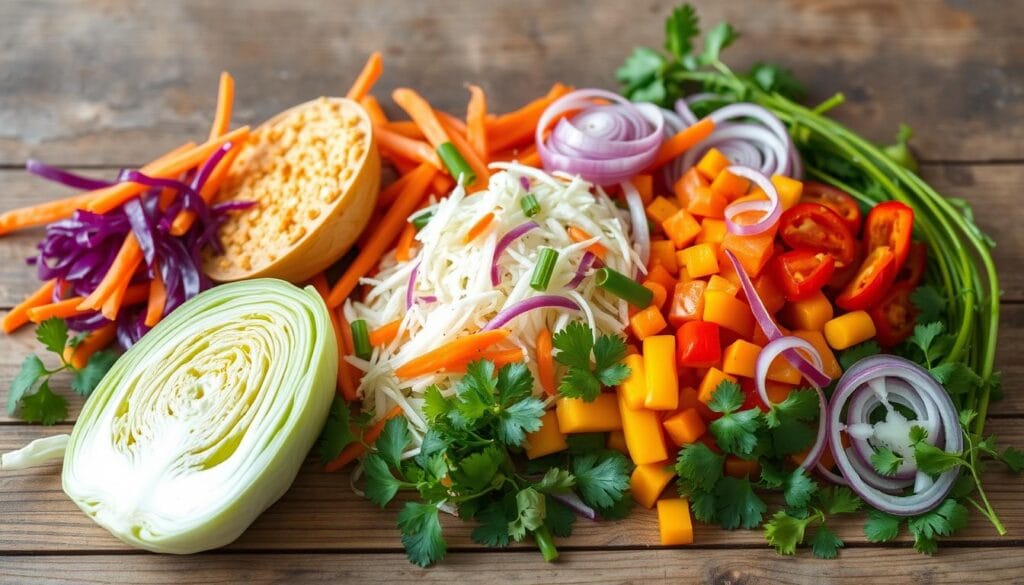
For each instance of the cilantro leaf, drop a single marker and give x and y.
(44, 406)
(774, 79)
(681, 27)
(956, 377)
(433, 443)
(791, 436)
(32, 369)
(337, 432)
(838, 500)
(86, 379)
(736, 504)
(1013, 458)
(435, 405)
(944, 520)
(784, 532)
(559, 518)
(531, 509)
(933, 460)
(885, 461)
(858, 352)
(931, 304)
(601, 479)
(515, 382)
(924, 337)
(393, 440)
(518, 419)
(53, 334)
(799, 488)
(575, 343)
(578, 383)
(881, 527)
(609, 351)
(381, 484)
(618, 510)
(478, 469)
(799, 405)
(421, 533)
(640, 74)
(475, 391)
(717, 39)
(493, 528)
(727, 397)
(699, 468)
(735, 432)
(825, 543)
(556, 481)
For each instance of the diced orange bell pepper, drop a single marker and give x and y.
(780, 370)
(660, 372)
(662, 276)
(740, 358)
(711, 231)
(706, 203)
(687, 302)
(688, 398)
(769, 292)
(828, 359)
(729, 185)
(617, 442)
(577, 416)
(648, 481)
(647, 322)
(634, 388)
(547, 439)
(710, 383)
(681, 227)
(661, 209)
(660, 293)
(700, 260)
(663, 253)
(712, 164)
(811, 313)
(789, 190)
(753, 252)
(729, 312)
(686, 184)
(644, 185)
(719, 282)
(684, 426)
(674, 523)
(644, 437)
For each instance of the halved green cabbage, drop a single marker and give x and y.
(203, 424)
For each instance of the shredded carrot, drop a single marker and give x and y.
(347, 373)
(367, 77)
(442, 184)
(346, 383)
(95, 341)
(403, 251)
(476, 121)
(478, 165)
(18, 316)
(385, 233)
(373, 109)
(157, 298)
(186, 218)
(545, 362)
(518, 127)
(681, 142)
(124, 295)
(499, 357)
(225, 103)
(118, 194)
(578, 235)
(62, 309)
(478, 228)
(409, 148)
(453, 352)
(531, 158)
(451, 123)
(126, 261)
(421, 113)
(352, 451)
(388, 194)
(406, 128)
(385, 334)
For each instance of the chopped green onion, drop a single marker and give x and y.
(361, 339)
(530, 205)
(543, 269)
(421, 220)
(456, 164)
(624, 287)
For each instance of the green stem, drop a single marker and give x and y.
(832, 102)
(546, 543)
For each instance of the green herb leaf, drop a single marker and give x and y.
(559, 518)
(32, 369)
(799, 488)
(799, 405)
(717, 39)
(44, 406)
(478, 470)
(556, 481)
(337, 433)
(681, 27)
(53, 334)
(885, 461)
(733, 431)
(949, 517)
(493, 529)
(881, 527)
(381, 484)
(736, 504)
(838, 500)
(858, 352)
(931, 304)
(825, 543)
(393, 440)
(601, 479)
(699, 468)
(784, 532)
(574, 344)
(933, 460)
(609, 351)
(924, 337)
(518, 419)
(421, 533)
(772, 78)
(86, 379)
(640, 75)
(1013, 458)
(435, 405)
(956, 377)
(531, 509)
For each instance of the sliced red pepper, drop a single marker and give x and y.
(890, 224)
(803, 272)
(698, 344)
(813, 226)
(871, 282)
(913, 269)
(843, 275)
(895, 315)
(835, 199)
(687, 302)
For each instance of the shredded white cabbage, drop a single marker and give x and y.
(458, 273)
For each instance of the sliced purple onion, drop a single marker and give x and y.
(574, 503)
(63, 177)
(530, 304)
(638, 219)
(524, 183)
(581, 271)
(506, 241)
(771, 209)
(410, 289)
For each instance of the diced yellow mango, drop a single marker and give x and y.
(661, 209)
(828, 359)
(674, 521)
(577, 416)
(648, 481)
(547, 439)
(712, 163)
(644, 438)
(617, 442)
(849, 329)
(789, 190)
(634, 387)
(711, 231)
(718, 282)
(684, 427)
(740, 358)
(780, 370)
(710, 383)
(663, 253)
(660, 372)
(700, 260)
(729, 312)
(810, 313)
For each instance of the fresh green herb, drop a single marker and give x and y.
(543, 269)
(584, 378)
(787, 528)
(624, 287)
(735, 430)
(530, 205)
(858, 352)
(456, 163)
(30, 388)
(886, 461)
(337, 432)
(361, 339)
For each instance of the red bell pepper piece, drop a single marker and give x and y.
(698, 344)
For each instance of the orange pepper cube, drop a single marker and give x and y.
(577, 416)
(711, 231)
(647, 322)
(789, 190)
(663, 253)
(617, 442)
(662, 276)
(740, 358)
(681, 227)
(660, 372)
(648, 481)
(720, 283)
(811, 313)
(729, 312)
(781, 370)
(674, 523)
(753, 252)
(712, 163)
(701, 260)
(644, 437)
(729, 185)
(706, 203)
(710, 383)
(684, 427)
(547, 439)
(687, 302)
(661, 209)
(634, 388)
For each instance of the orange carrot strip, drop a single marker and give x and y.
(451, 124)
(352, 451)
(518, 127)
(62, 309)
(453, 352)
(476, 121)
(225, 103)
(367, 77)
(385, 334)
(531, 158)
(410, 148)
(421, 113)
(578, 235)
(347, 373)
(95, 341)
(346, 383)
(545, 362)
(499, 357)
(373, 109)
(442, 183)
(406, 128)
(157, 298)
(126, 261)
(478, 165)
(124, 295)
(18, 316)
(385, 232)
(390, 193)
(403, 251)
(478, 228)
(118, 194)
(681, 142)
(186, 218)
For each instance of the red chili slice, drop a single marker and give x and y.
(894, 316)
(835, 199)
(801, 273)
(890, 224)
(815, 227)
(913, 269)
(871, 282)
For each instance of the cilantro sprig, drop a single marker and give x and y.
(584, 377)
(30, 394)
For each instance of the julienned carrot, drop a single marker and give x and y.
(367, 77)
(126, 261)
(225, 103)
(347, 373)
(95, 341)
(186, 218)
(518, 127)
(478, 228)
(61, 309)
(453, 352)
(373, 109)
(476, 121)
(385, 232)
(499, 357)
(441, 184)
(353, 450)
(118, 194)
(578, 235)
(478, 165)
(385, 334)
(421, 113)
(346, 383)
(451, 124)
(681, 142)
(403, 250)
(406, 128)
(527, 156)
(124, 295)
(546, 362)
(18, 316)
(157, 298)
(415, 150)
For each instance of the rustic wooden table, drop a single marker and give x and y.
(104, 84)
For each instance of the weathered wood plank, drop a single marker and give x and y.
(720, 567)
(321, 512)
(953, 71)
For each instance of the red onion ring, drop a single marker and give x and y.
(638, 219)
(778, 142)
(410, 289)
(604, 144)
(771, 208)
(581, 271)
(764, 319)
(530, 304)
(506, 241)
(574, 503)
(870, 375)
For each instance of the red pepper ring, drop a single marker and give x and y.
(871, 282)
(895, 315)
(890, 224)
(812, 226)
(801, 273)
(917, 261)
(835, 199)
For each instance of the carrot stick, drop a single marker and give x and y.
(478, 228)
(421, 113)
(185, 217)
(531, 158)
(406, 128)
(61, 309)
(367, 77)
(225, 102)
(578, 235)
(118, 194)
(476, 121)
(124, 295)
(350, 381)
(518, 127)
(373, 109)
(499, 357)
(410, 148)
(478, 165)
(95, 341)
(403, 251)
(453, 352)
(126, 261)
(681, 142)
(346, 383)
(18, 316)
(442, 184)
(545, 362)
(352, 451)
(385, 231)
(451, 123)
(388, 194)
(386, 333)
(157, 298)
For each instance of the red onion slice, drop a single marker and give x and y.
(574, 503)
(772, 209)
(581, 271)
(638, 219)
(530, 304)
(410, 289)
(506, 241)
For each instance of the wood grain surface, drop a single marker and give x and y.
(101, 84)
